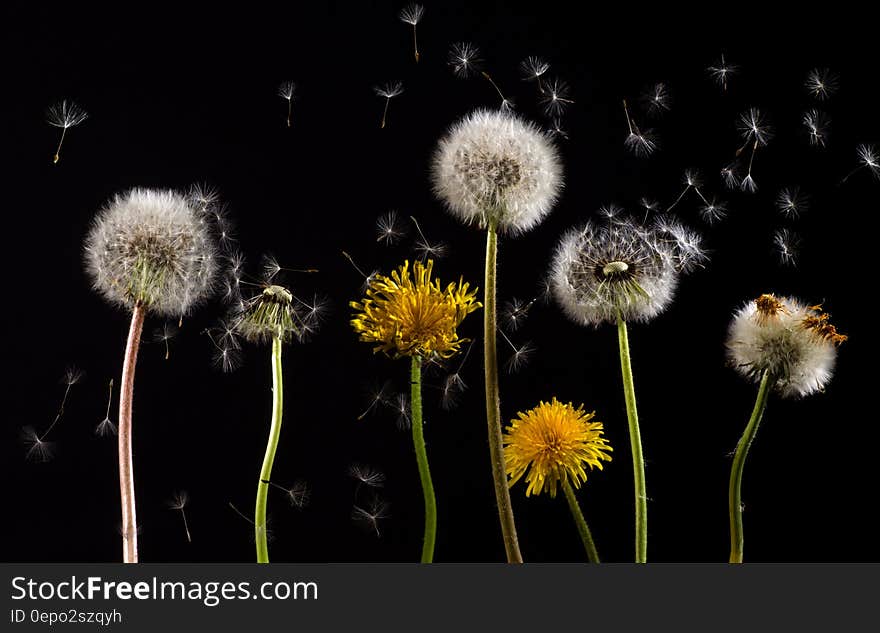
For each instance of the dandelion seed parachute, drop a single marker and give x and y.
(494, 168)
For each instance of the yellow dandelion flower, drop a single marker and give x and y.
(551, 445)
(412, 315)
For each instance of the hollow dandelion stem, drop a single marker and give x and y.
(422, 461)
(635, 440)
(736, 471)
(269, 458)
(493, 402)
(580, 522)
(126, 463)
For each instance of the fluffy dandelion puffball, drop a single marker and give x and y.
(794, 342)
(152, 248)
(493, 167)
(621, 269)
(410, 314)
(551, 444)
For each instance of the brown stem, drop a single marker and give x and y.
(126, 467)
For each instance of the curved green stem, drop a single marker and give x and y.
(580, 522)
(269, 458)
(635, 441)
(422, 461)
(493, 402)
(734, 494)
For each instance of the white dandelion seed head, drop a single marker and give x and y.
(788, 339)
(154, 248)
(412, 13)
(389, 90)
(623, 268)
(493, 167)
(821, 83)
(65, 114)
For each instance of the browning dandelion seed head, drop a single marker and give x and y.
(493, 167)
(152, 248)
(795, 343)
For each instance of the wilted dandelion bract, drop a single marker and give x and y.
(65, 114)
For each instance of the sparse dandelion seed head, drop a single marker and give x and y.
(410, 314)
(821, 83)
(794, 342)
(412, 13)
(269, 315)
(492, 167)
(552, 445)
(152, 248)
(465, 60)
(621, 268)
(65, 114)
(389, 89)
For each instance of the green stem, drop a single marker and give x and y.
(269, 458)
(422, 461)
(635, 440)
(734, 495)
(580, 522)
(493, 402)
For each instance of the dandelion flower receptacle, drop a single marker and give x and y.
(149, 252)
(551, 447)
(502, 174)
(409, 314)
(616, 273)
(785, 346)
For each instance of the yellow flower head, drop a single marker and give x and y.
(413, 316)
(551, 444)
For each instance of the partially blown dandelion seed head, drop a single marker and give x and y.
(493, 168)
(65, 114)
(273, 313)
(553, 444)
(795, 343)
(623, 268)
(409, 314)
(152, 248)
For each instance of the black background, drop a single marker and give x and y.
(177, 97)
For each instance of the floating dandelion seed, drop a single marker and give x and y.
(730, 175)
(464, 58)
(370, 516)
(713, 210)
(65, 114)
(366, 476)
(722, 71)
(641, 144)
(388, 229)
(514, 312)
(650, 206)
(787, 246)
(179, 502)
(868, 159)
(427, 250)
(106, 427)
(557, 97)
(791, 202)
(520, 356)
(164, 334)
(817, 124)
(691, 181)
(287, 91)
(454, 385)
(388, 91)
(261, 532)
(378, 396)
(657, 99)
(556, 129)
(38, 448)
(227, 348)
(412, 15)
(532, 69)
(368, 279)
(754, 128)
(299, 494)
(821, 83)
(400, 404)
